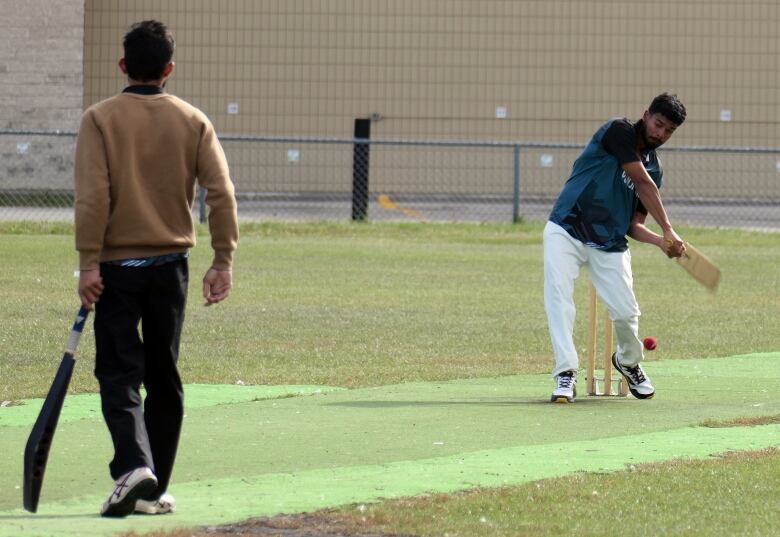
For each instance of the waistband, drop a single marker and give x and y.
(152, 261)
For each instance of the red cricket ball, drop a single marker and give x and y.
(650, 343)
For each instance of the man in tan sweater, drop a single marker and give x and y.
(138, 157)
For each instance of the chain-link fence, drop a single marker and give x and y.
(281, 178)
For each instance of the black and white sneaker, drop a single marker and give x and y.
(638, 383)
(128, 488)
(566, 388)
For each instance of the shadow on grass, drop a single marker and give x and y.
(49, 517)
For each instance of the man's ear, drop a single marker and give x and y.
(123, 65)
(168, 70)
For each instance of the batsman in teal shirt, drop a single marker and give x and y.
(613, 186)
(598, 201)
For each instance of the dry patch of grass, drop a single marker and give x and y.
(742, 422)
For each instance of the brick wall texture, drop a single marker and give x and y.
(41, 88)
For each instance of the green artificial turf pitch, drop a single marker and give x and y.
(261, 450)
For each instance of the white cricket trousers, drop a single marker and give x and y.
(610, 273)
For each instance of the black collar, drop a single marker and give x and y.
(143, 90)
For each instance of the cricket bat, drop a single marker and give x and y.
(36, 453)
(700, 267)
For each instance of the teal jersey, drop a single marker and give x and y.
(598, 201)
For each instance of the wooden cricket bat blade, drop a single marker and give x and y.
(700, 267)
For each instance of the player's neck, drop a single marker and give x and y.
(159, 83)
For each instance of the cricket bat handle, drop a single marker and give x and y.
(75, 333)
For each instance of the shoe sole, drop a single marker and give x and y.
(562, 399)
(154, 510)
(635, 393)
(127, 505)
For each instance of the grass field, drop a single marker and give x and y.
(374, 304)
(361, 305)
(667, 499)
(657, 499)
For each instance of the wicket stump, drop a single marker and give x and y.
(606, 380)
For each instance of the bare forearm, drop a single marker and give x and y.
(651, 199)
(671, 243)
(641, 233)
(648, 193)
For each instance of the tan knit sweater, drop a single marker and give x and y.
(137, 160)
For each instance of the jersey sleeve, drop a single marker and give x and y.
(214, 176)
(620, 141)
(93, 192)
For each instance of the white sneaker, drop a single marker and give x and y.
(638, 383)
(128, 488)
(566, 388)
(162, 505)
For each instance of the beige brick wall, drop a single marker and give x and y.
(441, 68)
(41, 88)
(41, 57)
(433, 69)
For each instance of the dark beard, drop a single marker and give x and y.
(648, 143)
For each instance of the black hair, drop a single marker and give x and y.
(149, 48)
(668, 105)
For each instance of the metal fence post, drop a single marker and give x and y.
(360, 170)
(516, 187)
